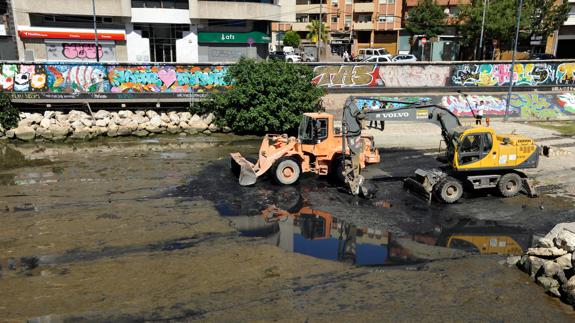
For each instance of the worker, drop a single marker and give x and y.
(374, 106)
(479, 113)
(345, 56)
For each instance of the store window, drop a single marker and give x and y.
(164, 4)
(162, 40)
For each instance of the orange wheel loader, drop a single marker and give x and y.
(317, 149)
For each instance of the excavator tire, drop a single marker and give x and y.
(286, 171)
(509, 184)
(449, 190)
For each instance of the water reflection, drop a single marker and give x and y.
(318, 234)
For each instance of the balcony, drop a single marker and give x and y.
(363, 7)
(309, 8)
(236, 10)
(299, 26)
(362, 25)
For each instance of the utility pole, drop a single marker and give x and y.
(319, 31)
(95, 31)
(512, 68)
(480, 49)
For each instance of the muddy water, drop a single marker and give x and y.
(157, 229)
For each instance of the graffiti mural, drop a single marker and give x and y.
(63, 80)
(414, 76)
(524, 105)
(361, 75)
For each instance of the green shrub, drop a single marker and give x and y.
(266, 97)
(9, 114)
(292, 39)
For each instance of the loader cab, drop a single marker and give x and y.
(474, 145)
(314, 128)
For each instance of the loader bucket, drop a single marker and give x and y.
(242, 167)
(418, 189)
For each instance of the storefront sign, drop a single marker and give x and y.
(80, 51)
(80, 34)
(255, 36)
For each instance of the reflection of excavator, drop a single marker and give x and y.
(314, 224)
(476, 157)
(317, 150)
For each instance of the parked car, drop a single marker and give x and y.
(539, 56)
(288, 57)
(364, 53)
(404, 58)
(305, 57)
(377, 59)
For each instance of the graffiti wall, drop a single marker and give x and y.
(99, 81)
(492, 75)
(523, 105)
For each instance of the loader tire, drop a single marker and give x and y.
(509, 184)
(449, 190)
(337, 170)
(286, 171)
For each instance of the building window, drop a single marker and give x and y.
(334, 3)
(165, 4)
(348, 20)
(387, 1)
(334, 19)
(384, 18)
(364, 18)
(348, 2)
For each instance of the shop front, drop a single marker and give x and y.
(231, 46)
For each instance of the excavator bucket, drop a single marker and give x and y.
(422, 184)
(244, 169)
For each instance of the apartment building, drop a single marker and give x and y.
(563, 41)
(186, 31)
(8, 49)
(353, 24)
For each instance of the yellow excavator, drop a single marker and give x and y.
(476, 157)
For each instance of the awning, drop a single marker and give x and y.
(25, 32)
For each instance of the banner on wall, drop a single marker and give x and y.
(80, 51)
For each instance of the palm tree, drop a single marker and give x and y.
(313, 29)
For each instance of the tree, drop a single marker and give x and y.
(427, 18)
(292, 39)
(267, 96)
(538, 18)
(9, 114)
(313, 29)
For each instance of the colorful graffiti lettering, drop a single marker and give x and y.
(81, 51)
(491, 105)
(500, 74)
(346, 75)
(114, 78)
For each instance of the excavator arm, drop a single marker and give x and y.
(354, 112)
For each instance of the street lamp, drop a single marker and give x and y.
(480, 49)
(95, 31)
(511, 72)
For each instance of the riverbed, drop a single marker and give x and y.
(155, 229)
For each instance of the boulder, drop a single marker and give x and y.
(102, 122)
(77, 115)
(140, 119)
(155, 121)
(132, 125)
(124, 131)
(557, 231)
(125, 114)
(59, 131)
(81, 133)
(98, 131)
(62, 118)
(88, 122)
(174, 118)
(25, 133)
(512, 261)
(77, 124)
(208, 118)
(44, 133)
(153, 128)
(546, 252)
(213, 128)
(565, 261)
(101, 114)
(183, 125)
(9, 133)
(49, 114)
(185, 116)
(565, 240)
(531, 265)
(112, 130)
(140, 133)
(151, 113)
(551, 268)
(226, 129)
(45, 123)
(198, 123)
(141, 113)
(173, 129)
(165, 118)
(35, 118)
(551, 285)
